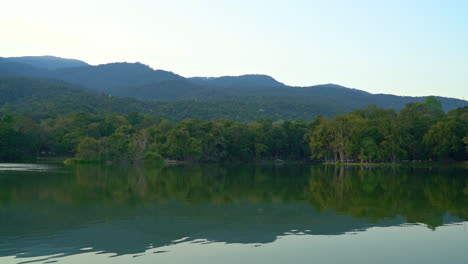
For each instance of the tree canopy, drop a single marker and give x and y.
(421, 131)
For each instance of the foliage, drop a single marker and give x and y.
(465, 140)
(421, 131)
(153, 158)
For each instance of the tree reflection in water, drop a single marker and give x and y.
(127, 209)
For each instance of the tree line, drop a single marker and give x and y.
(421, 131)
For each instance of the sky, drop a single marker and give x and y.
(397, 47)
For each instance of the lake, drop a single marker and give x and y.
(232, 214)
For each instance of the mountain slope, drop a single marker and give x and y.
(47, 62)
(142, 82)
(249, 80)
(113, 77)
(11, 68)
(41, 98)
(169, 90)
(44, 98)
(110, 78)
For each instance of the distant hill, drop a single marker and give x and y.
(113, 78)
(47, 62)
(44, 98)
(170, 90)
(11, 68)
(250, 80)
(259, 95)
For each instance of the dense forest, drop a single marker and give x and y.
(47, 98)
(421, 131)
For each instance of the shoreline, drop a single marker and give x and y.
(68, 161)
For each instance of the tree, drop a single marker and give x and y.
(344, 128)
(416, 119)
(391, 145)
(369, 150)
(444, 140)
(117, 146)
(138, 144)
(89, 150)
(465, 140)
(319, 138)
(12, 142)
(153, 158)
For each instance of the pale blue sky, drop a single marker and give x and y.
(398, 47)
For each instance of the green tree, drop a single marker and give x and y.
(416, 119)
(369, 150)
(465, 140)
(444, 140)
(12, 142)
(319, 137)
(89, 150)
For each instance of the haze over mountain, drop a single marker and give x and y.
(243, 97)
(47, 62)
(248, 80)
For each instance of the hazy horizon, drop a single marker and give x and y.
(409, 49)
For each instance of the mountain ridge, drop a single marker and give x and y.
(47, 61)
(142, 82)
(246, 80)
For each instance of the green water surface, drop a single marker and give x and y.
(232, 214)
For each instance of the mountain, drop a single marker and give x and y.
(44, 98)
(11, 68)
(250, 80)
(169, 90)
(240, 98)
(47, 62)
(112, 78)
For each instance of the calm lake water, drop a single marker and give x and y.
(232, 214)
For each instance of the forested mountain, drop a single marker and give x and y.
(241, 98)
(113, 78)
(47, 62)
(249, 80)
(45, 98)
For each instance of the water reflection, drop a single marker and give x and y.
(24, 167)
(127, 210)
